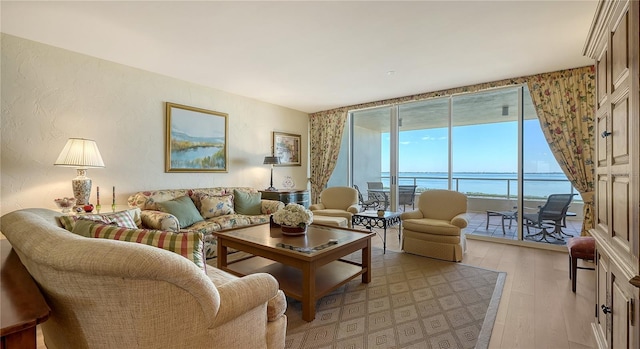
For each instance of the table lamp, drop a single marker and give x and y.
(271, 160)
(81, 153)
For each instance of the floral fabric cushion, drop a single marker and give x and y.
(189, 245)
(215, 206)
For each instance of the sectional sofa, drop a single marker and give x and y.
(203, 210)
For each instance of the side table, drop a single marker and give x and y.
(298, 196)
(370, 220)
(23, 306)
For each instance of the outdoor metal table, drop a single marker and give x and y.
(371, 219)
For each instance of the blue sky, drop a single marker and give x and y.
(476, 148)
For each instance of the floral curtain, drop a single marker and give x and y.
(325, 137)
(565, 104)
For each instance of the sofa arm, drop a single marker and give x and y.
(460, 220)
(276, 306)
(315, 207)
(271, 206)
(354, 209)
(243, 294)
(417, 214)
(159, 220)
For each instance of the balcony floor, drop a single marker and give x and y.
(478, 226)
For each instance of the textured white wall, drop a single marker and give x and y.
(50, 94)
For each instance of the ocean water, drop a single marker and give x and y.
(538, 185)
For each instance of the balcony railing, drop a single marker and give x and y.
(534, 188)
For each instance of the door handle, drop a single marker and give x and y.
(605, 134)
(606, 309)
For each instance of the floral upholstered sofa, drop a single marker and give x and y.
(217, 209)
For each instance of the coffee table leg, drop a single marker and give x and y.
(222, 254)
(366, 263)
(308, 293)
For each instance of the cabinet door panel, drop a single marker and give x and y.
(602, 271)
(620, 132)
(620, 210)
(620, 52)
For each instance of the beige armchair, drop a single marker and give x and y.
(114, 294)
(337, 202)
(435, 228)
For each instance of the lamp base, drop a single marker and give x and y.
(81, 190)
(271, 189)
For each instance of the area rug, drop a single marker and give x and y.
(411, 302)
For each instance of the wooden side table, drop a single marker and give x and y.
(23, 306)
(298, 196)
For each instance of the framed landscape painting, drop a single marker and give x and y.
(286, 146)
(196, 140)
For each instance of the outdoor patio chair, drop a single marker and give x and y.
(366, 204)
(552, 214)
(407, 196)
(376, 192)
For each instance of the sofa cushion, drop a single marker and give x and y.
(183, 209)
(215, 206)
(189, 245)
(247, 203)
(122, 218)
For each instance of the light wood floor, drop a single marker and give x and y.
(537, 308)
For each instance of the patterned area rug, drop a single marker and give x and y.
(412, 302)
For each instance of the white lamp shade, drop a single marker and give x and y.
(80, 152)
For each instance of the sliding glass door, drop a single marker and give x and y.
(488, 145)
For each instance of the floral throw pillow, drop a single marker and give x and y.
(216, 206)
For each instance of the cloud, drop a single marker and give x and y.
(429, 138)
(405, 143)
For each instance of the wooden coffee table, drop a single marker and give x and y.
(307, 267)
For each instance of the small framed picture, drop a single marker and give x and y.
(286, 146)
(196, 140)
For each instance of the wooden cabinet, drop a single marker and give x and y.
(298, 196)
(613, 42)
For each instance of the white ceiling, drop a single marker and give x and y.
(317, 55)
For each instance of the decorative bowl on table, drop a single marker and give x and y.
(65, 204)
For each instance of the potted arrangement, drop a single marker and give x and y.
(293, 219)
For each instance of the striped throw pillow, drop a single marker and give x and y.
(121, 218)
(189, 245)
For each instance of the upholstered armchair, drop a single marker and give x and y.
(114, 294)
(337, 202)
(435, 228)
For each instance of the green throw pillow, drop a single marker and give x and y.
(247, 203)
(183, 208)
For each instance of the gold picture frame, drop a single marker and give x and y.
(287, 147)
(196, 139)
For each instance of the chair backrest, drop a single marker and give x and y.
(360, 197)
(442, 204)
(406, 194)
(556, 207)
(339, 197)
(374, 185)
